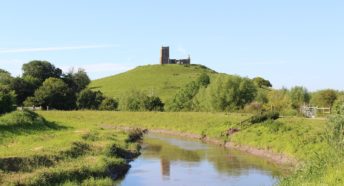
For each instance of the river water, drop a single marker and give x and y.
(167, 160)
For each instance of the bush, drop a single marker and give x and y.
(182, 101)
(203, 80)
(108, 104)
(299, 96)
(153, 103)
(338, 106)
(138, 101)
(261, 82)
(7, 101)
(88, 99)
(23, 119)
(264, 117)
(133, 101)
(135, 135)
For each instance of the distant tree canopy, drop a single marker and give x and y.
(324, 98)
(24, 87)
(223, 94)
(230, 93)
(41, 70)
(55, 94)
(7, 100)
(88, 99)
(299, 96)
(261, 82)
(77, 80)
(5, 77)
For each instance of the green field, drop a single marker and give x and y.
(161, 80)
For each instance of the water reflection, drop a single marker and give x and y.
(175, 161)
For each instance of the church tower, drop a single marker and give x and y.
(164, 55)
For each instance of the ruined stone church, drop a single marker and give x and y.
(165, 57)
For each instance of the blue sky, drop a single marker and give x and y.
(288, 42)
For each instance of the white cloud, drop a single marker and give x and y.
(50, 49)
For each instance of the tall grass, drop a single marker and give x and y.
(47, 153)
(325, 167)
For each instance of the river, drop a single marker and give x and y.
(167, 160)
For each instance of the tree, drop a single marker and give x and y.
(7, 100)
(41, 70)
(183, 100)
(247, 92)
(88, 99)
(324, 98)
(261, 82)
(24, 87)
(231, 93)
(108, 104)
(203, 80)
(262, 97)
(77, 80)
(153, 103)
(5, 77)
(55, 94)
(299, 96)
(133, 100)
(338, 105)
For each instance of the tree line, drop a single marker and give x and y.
(234, 93)
(43, 84)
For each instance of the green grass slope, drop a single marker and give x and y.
(161, 80)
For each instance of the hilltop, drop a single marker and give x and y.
(161, 80)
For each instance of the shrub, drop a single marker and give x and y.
(138, 101)
(77, 149)
(203, 80)
(264, 116)
(338, 105)
(261, 82)
(88, 99)
(135, 135)
(108, 104)
(7, 101)
(153, 103)
(133, 101)
(299, 95)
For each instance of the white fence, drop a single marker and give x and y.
(29, 108)
(311, 112)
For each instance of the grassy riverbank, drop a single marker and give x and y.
(295, 137)
(299, 138)
(35, 151)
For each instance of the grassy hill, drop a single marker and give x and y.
(161, 80)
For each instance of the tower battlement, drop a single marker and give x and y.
(165, 57)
